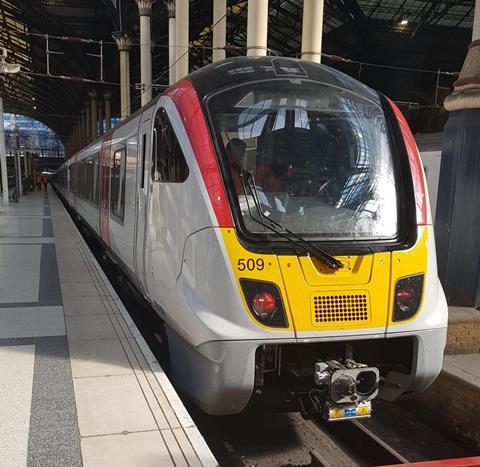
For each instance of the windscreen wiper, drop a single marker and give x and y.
(270, 224)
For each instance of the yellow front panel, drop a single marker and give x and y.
(356, 270)
(358, 296)
(300, 293)
(261, 267)
(351, 307)
(408, 263)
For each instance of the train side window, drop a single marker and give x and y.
(168, 161)
(144, 149)
(96, 178)
(117, 189)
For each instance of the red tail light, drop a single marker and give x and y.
(408, 295)
(415, 166)
(404, 295)
(265, 302)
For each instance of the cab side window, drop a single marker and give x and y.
(117, 189)
(168, 162)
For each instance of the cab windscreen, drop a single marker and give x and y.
(318, 155)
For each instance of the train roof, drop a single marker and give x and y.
(241, 70)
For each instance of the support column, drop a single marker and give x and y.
(107, 97)
(93, 114)
(219, 29)
(456, 225)
(100, 117)
(78, 134)
(312, 30)
(88, 124)
(145, 12)
(83, 126)
(17, 179)
(18, 165)
(181, 38)
(25, 163)
(3, 158)
(124, 43)
(257, 25)
(73, 137)
(171, 41)
(29, 162)
(476, 22)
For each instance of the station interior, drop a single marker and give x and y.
(167, 294)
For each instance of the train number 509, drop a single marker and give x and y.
(250, 264)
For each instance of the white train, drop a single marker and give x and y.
(274, 213)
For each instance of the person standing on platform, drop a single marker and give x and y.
(45, 182)
(38, 181)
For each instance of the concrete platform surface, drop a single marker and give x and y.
(466, 367)
(78, 384)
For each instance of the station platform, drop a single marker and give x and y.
(78, 385)
(453, 400)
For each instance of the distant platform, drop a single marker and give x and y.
(79, 385)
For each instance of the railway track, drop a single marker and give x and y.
(287, 440)
(364, 443)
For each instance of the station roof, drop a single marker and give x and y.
(409, 34)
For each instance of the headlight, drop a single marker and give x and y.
(265, 302)
(408, 295)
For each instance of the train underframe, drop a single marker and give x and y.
(336, 378)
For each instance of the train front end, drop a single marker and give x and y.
(330, 254)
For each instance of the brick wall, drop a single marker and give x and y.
(463, 337)
(454, 404)
(463, 331)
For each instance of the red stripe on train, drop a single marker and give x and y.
(416, 166)
(104, 190)
(188, 106)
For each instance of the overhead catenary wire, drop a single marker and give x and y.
(338, 58)
(230, 47)
(78, 79)
(193, 45)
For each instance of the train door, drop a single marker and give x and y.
(143, 191)
(104, 204)
(67, 194)
(168, 226)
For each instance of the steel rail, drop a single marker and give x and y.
(363, 443)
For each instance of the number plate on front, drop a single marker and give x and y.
(250, 264)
